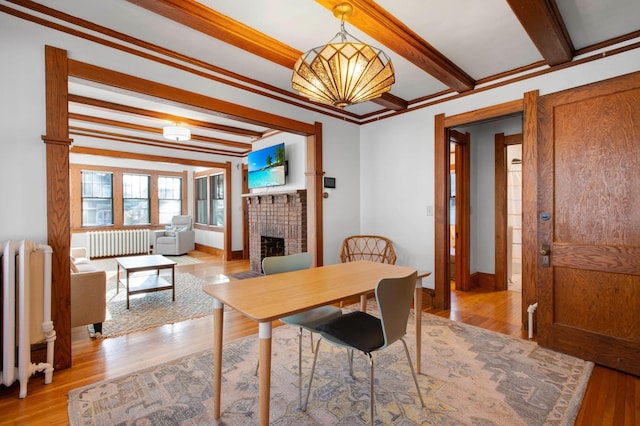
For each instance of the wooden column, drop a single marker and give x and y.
(314, 175)
(58, 194)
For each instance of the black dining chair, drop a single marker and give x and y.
(366, 333)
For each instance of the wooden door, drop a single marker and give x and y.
(589, 222)
(463, 211)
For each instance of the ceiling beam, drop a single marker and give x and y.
(542, 21)
(83, 100)
(373, 20)
(119, 137)
(138, 127)
(145, 157)
(208, 21)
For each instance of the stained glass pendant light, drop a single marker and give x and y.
(343, 73)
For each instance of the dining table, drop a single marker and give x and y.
(267, 298)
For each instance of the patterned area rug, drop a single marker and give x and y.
(470, 376)
(245, 275)
(149, 310)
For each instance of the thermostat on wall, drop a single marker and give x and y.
(329, 182)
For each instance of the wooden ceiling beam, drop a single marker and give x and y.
(138, 127)
(208, 21)
(119, 137)
(83, 100)
(545, 27)
(373, 20)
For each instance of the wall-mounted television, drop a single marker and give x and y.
(267, 167)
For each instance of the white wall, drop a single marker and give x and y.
(383, 170)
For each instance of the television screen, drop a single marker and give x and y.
(266, 167)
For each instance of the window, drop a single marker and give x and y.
(97, 198)
(201, 200)
(112, 197)
(169, 198)
(135, 199)
(216, 190)
(210, 202)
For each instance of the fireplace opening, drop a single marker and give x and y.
(271, 246)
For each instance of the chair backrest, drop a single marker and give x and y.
(394, 297)
(293, 262)
(182, 220)
(367, 247)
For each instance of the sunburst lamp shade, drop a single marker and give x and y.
(176, 133)
(345, 73)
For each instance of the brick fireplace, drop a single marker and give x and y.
(277, 225)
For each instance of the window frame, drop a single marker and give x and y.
(82, 198)
(207, 175)
(75, 171)
(147, 199)
(182, 195)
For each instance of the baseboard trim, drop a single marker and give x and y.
(210, 250)
(483, 280)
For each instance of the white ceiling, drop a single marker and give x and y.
(484, 38)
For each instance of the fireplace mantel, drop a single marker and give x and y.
(278, 215)
(266, 195)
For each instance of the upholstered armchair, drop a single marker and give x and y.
(178, 238)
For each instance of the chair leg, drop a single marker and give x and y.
(300, 367)
(372, 401)
(313, 369)
(413, 373)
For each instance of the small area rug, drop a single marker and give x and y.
(154, 309)
(470, 376)
(109, 263)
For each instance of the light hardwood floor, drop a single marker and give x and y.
(612, 398)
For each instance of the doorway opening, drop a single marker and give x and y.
(514, 218)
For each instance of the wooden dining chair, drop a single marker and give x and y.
(367, 247)
(368, 334)
(307, 320)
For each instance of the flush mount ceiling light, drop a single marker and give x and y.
(176, 133)
(344, 73)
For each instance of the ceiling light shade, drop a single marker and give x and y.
(176, 133)
(344, 73)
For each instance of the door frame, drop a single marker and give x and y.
(527, 106)
(501, 216)
(462, 165)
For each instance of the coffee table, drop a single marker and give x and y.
(145, 283)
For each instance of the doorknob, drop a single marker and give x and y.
(545, 252)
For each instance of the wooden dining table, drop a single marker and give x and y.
(268, 298)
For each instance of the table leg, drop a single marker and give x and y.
(118, 280)
(417, 309)
(173, 281)
(363, 302)
(264, 332)
(218, 318)
(127, 289)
